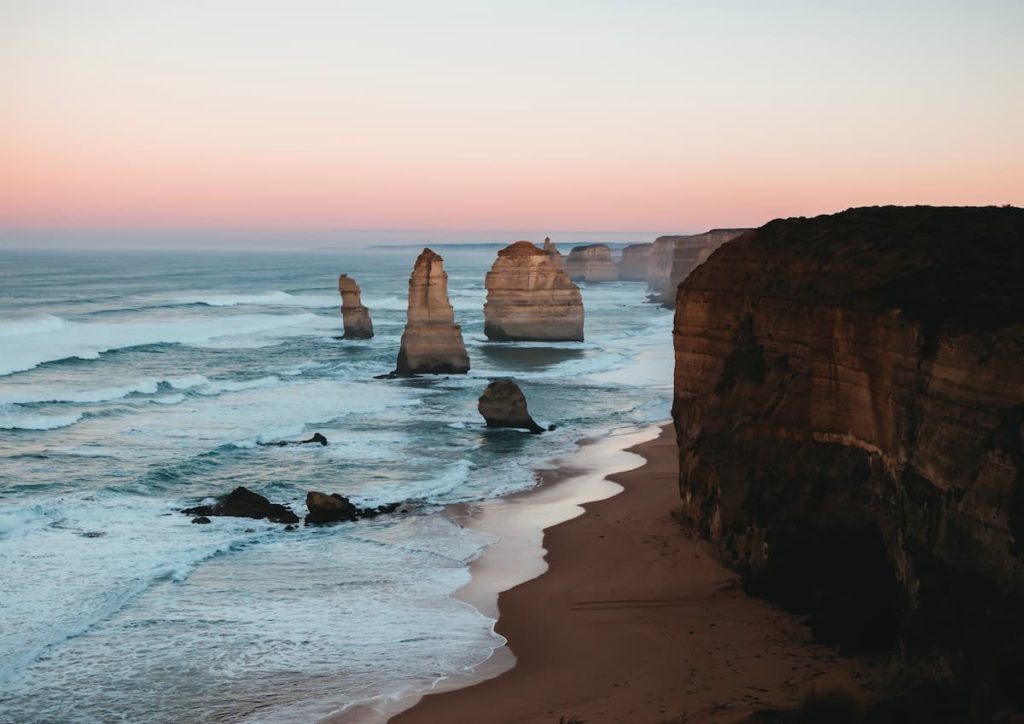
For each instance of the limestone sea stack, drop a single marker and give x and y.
(633, 265)
(503, 404)
(355, 316)
(556, 255)
(688, 253)
(849, 405)
(432, 342)
(529, 298)
(591, 263)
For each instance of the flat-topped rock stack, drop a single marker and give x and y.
(672, 258)
(591, 263)
(556, 255)
(633, 265)
(355, 316)
(529, 298)
(432, 341)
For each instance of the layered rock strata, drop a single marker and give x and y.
(633, 265)
(355, 316)
(591, 263)
(503, 404)
(672, 258)
(849, 402)
(556, 255)
(432, 342)
(529, 298)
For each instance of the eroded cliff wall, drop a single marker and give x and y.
(849, 400)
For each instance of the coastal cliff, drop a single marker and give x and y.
(689, 252)
(529, 298)
(633, 265)
(432, 342)
(591, 263)
(849, 400)
(355, 316)
(659, 265)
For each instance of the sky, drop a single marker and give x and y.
(634, 118)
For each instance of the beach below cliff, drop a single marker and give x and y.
(633, 620)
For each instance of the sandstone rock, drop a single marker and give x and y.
(355, 316)
(329, 508)
(849, 405)
(591, 263)
(243, 503)
(556, 255)
(432, 342)
(528, 298)
(633, 265)
(672, 258)
(503, 404)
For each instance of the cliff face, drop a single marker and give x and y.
(689, 252)
(633, 265)
(591, 263)
(355, 316)
(432, 342)
(528, 298)
(849, 400)
(659, 265)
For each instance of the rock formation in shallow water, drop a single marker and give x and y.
(355, 316)
(672, 258)
(591, 263)
(503, 404)
(528, 298)
(432, 342)
(849, 405)
(243, 503)
(633, 265)
(335, 508)
(556, 255)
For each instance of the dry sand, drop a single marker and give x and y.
(634, 621)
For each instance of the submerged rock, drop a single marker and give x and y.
(633, 265)
(528, 298)
(503, 404)
(243, 503)
(201, 520)
(432, 342)
(316, 439)
(355, 316)
(591, 263)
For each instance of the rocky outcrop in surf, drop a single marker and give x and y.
(316, 439)
(335, 508)
(672, 258)
(556, 255)
(503, 404)
(632, 266)
(849, 405)
(591, 263)
(529, 298)
(243, 503)
(432, 342)
(355, 316)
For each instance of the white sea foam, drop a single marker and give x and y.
(13, 418)
(267, 299)
(31, 325)
(87, 340)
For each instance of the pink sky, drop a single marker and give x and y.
(597, 116)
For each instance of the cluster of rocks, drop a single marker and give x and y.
(323, 508)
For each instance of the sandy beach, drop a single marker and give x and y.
(634, 621)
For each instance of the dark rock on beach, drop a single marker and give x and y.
(243, 503)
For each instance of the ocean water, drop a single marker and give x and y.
(134, 384)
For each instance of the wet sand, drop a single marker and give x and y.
(633, 621)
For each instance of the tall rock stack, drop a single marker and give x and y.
(556, 255)
(356, 317)
(633, 265)
(432, 342)
(529, 298)
(689, 252)
(591, 263)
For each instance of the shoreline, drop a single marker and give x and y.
(518, 522)
(627, 618)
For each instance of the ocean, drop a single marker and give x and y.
(133, 384)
